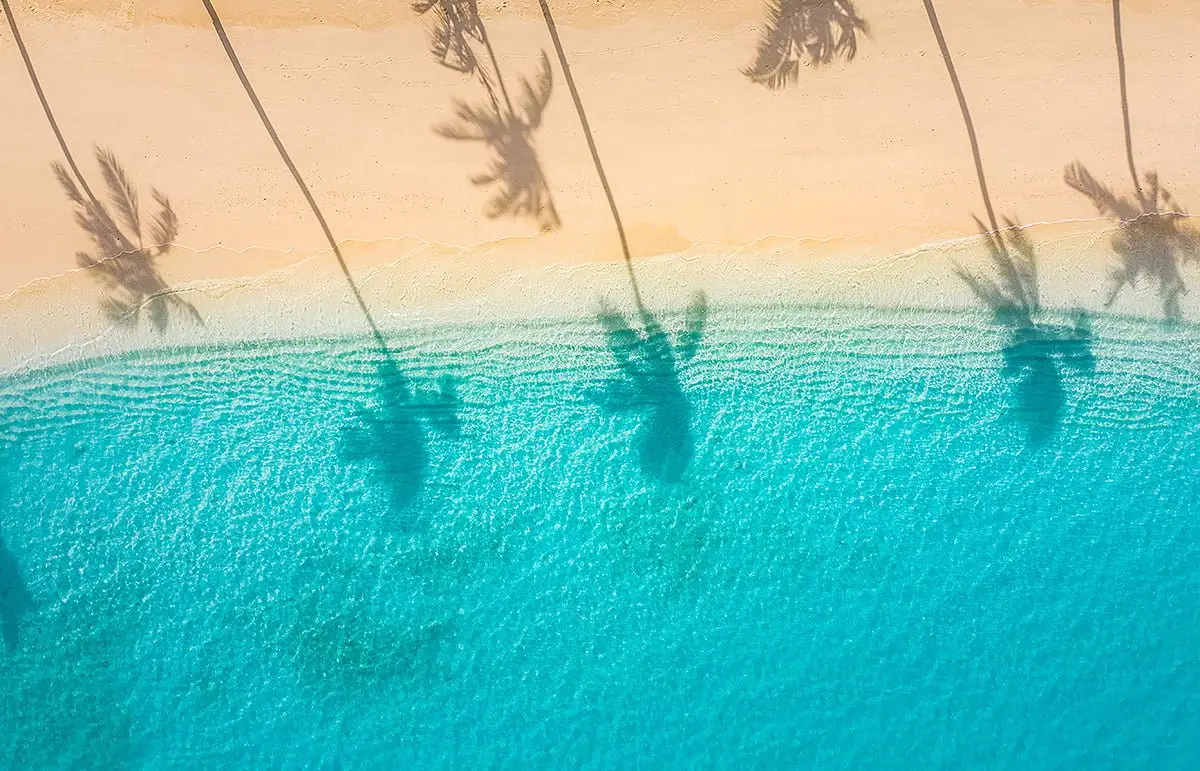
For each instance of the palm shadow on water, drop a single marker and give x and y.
(1151, 242)
(519, 185)
(649, 361)
(123, 261)
(15, 599)
(392, 432)
(1035, 353)
(804, 32)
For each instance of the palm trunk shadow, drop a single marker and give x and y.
(390, 430)
(1120, 46)
(966, 112)
(648, 359)
(1034, 352)
(1153, 241)
(591, 143)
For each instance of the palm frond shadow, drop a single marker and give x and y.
(455, 24)
(515, 174)
(1035, 353)
(649, 360)
(392, 433)
(122, 260)
(804, 32)
(343, 641)
(1152, 241)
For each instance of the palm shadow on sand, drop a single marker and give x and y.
(804, 32)
(506, 128)
(15, 599)
(649, 361)
(1035, 353)
(392, 432)
(122, 260)
(1152, 242)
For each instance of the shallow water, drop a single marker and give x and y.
(882, 549)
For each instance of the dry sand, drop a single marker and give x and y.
(855, 185)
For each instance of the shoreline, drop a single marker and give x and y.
(411, 285)
(855, 185)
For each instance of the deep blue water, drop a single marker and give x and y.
(832, 539)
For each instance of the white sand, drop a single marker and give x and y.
(821, 192)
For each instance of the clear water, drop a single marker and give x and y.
(837, 539)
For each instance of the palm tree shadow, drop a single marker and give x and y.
(804, 32)
(1151, 241)
(392, 432)
(649, 361)
(122, 261)
(1035, 352)
(515, 174)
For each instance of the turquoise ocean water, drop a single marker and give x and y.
(832, 538)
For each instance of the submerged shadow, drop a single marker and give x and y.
(1035, 353)
(392, 432)
(649, 361)
(519, 185)
(15, 599)
(804, 32)
(123, 261)
(1151, 242)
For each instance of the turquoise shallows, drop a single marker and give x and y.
(883, 549)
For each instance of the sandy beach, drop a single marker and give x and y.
(854, 185)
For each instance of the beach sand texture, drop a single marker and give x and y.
(855, 184)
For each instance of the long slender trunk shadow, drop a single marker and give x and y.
(591, 143)
(1153, 240)
(966, 112)
(1137, 185)
(647, 358)
(1034, 351)
(291, 166)
(804, 32)
(37, 86)
(519, 183)
(392, 431)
